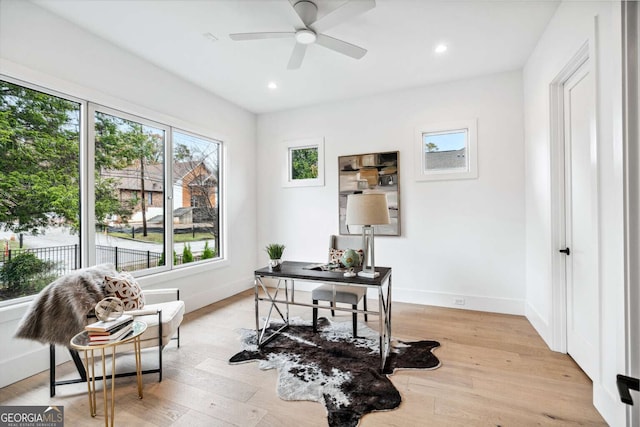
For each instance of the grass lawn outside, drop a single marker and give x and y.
(158, 237)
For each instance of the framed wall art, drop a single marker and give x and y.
(303, 163)
(371, 172)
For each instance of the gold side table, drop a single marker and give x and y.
(81, 342)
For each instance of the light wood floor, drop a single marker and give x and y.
(496, 371)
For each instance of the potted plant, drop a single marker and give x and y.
(274, 250)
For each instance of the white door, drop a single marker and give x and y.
(581, 221)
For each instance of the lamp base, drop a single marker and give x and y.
(368, 275)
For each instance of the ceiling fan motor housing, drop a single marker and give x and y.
(307, 10)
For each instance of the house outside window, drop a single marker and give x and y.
(196, 178)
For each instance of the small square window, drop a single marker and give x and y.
(446, 151)
(304, 163)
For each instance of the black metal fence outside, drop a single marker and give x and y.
(127, 259)
(67, 258)
(62, 258)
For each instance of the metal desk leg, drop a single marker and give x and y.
(384, 307)
(389, 310)
(261, 339)
(382, 328)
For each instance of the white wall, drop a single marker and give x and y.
(574, 24)
(41, 48)
(459, 238)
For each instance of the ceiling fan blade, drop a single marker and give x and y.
(297, 56)
(343, 13)
(341, 46)
(260, 36)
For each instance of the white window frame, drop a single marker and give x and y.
(470, 172)
(288, 147)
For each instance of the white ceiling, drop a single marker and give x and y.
(483, 37)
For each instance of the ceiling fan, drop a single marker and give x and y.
(308, 29)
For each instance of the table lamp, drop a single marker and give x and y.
(367, 209)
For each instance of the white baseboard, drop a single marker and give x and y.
(441, 299)
(608, 404)
(469, 302)
(540, 324)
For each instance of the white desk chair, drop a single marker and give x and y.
(343, 294)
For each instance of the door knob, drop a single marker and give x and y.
(566, 251)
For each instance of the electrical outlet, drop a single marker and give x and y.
(458, 301)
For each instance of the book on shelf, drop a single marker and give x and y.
(116, 336)
(105, 326)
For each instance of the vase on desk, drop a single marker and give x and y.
(274, 264)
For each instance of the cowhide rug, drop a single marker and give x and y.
(335, 369)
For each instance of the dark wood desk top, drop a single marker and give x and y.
(297, 270)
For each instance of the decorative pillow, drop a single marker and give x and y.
(335, 256)
(126, 288)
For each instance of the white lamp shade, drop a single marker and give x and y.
(367, 209)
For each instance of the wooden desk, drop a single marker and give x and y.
(293, 270)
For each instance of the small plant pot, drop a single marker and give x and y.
(274, 264)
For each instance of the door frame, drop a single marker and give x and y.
(631, 140)
(558, 327)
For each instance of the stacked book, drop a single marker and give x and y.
(104, 332)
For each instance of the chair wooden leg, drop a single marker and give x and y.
(315, 317)
(355, 321)
(366, 316)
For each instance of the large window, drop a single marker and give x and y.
(149, 200)
(39, 188)
(129, 192)
(196, 214)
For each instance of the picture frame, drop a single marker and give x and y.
(370, 172)
(303, 163)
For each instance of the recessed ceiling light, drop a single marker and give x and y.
(441, 48)
(272, 85)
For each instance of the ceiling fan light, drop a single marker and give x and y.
(305, 36)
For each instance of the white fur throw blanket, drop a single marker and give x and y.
(60, 310)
